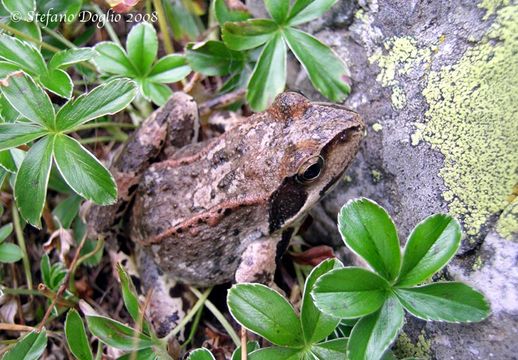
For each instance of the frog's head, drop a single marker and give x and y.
(319, 141)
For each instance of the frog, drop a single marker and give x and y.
(224, 209)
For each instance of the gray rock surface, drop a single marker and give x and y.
(437, 83)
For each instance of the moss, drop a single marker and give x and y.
(406, 348)
(377, 176)
(473, 121)
(477, 265)
(401, 55)
(491, 6)
(377, 127)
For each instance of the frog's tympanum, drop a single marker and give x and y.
(224, 209)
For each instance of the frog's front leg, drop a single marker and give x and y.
(171, 127)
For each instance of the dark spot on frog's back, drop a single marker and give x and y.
(285, 203)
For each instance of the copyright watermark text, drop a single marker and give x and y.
(84, 16)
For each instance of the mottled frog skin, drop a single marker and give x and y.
(224, 209)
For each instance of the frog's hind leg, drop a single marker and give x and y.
(170, 301)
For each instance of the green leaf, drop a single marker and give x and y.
(116, 334)
(250, 347)
(184, 22)
(158, 93)
(144, 354)
(13, 135)
(65, 58)
(307, 10)
(350, 292)
(269, 76)
(431, 245)
(7, 112)
(368, 230)
(30, 347)
(58, 82)
(373, 334)
(201, 354)
(445, 301)
(29, 99)
(330, 350)
(142, 46)
(169, 69)
(21, 8)
(83, 172)
(129, 293)
(5, 231)
(30, 187)
(316, 325)
(76, 336)
(7, 162)
(9, 253)
(248, 34)
(28, 28)
(224, 13)
(276, 353)
(45, 269)
(7, 68)
(106, 99)
(213, 58)
(265, 312)
(21, 53)
(325, 69)
(278, 9)
(112, 59)
(66, 211)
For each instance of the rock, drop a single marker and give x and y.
(437, 84)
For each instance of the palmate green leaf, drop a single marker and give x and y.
(112, 59)
(8, 114)
(201, 354)
(330, 350)
(431, 245)
(266, 313)
(224, 14)
(30, 186)
(325, 69)
(278, 9)
(59, 82)
(13, 135)
(129, 296)
(144, 354)
(7, 68)
(21, 53)
(29, 99)
(142, 46)
(373, 334)
(83, 172)
(63, 59)
(276, 353)
(213, 58)
(9, 253)
(269, 76)
(316, 325)
(350, 292)
(5, 231)
(169, 69)
(303, 11)
(248, 34)
(157, 93)
(368, 230)
(106, 99)
(21, 8)
(116, 334)
(30, 347)
(445, 301)
(76, 336)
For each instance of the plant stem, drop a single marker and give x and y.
(29, 38)
(21, 242)
(18, 291)
(59, 38)
(99, 139)
(244, 350)
(63, 286)
(108, 26)
(218, 315)
(162, 23)
(102, 125)
(194, 327)
(202, 298)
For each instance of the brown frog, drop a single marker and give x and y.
(224, 209)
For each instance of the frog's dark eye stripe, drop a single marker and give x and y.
(310, 170)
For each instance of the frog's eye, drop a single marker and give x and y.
(310, 170)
